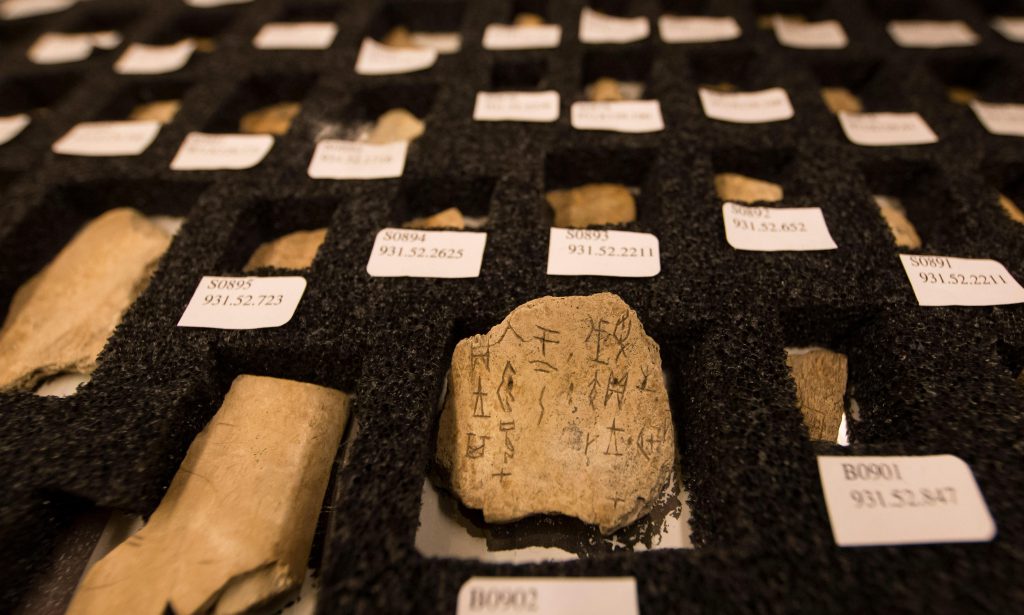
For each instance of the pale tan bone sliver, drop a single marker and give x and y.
(528, 19)
(960, 95)
(292, 251)
(162, 111)
(592, 204)
(820, 377)
(841, 99)
(559, 409)
(1011, 209)
(398, 36)
(396, 125)
(902, 229)
(273, 119)
(60, 319)
(446, 218)
(737, 187)
(235, 528)
(603, 89)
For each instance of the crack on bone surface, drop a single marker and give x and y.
(559, 409)
(592, 204)
(292, 251)
(235, 528)
(895, 216)
(746, 189)
(273, 119)
(820, 376)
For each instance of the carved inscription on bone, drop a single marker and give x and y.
(559, 409)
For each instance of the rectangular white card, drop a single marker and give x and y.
(243, 303)
(542, 107)
(1006, 119)
(827, 34)
(886, 129)
(616, 254)
(23, 9)
(12, 125)
(1012, 28)
(945, 280)
(121, 138)
(505, 37)
(380, 59)
(776, 229)
(409, 253)
(629, 116)
(881, 500)
(142, 59)
(443, 43)
(337, 159)
(597, 28)
(771, 105)
(681, 29)
(931, 34)
(548, 596)
(309, 35)
(62, 48)
(202, 151)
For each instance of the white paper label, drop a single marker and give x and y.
(23, 9)
(884, 129)
(616, 254)
(931, 34)
(408, 253)
(548, 596)
(243, 303)
(517, 106)
(1006, 119)
(209, 4)
(876, 501)
(296, 35)
(771, 105)
(501, 37)
(202, 151)
(443, 43)
(337, 159)
(1012, 28)
(63, 48)
(945, 280)
(598, 28)
(676, 29)
(828, 34)
(776, 229)
(12, 125)
(379, 59)
(121, 138)
(631, 116)
(142, 59)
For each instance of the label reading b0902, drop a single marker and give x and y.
(617, 254)
(875, 501)
(776, 229)
(243, 303)
(548, 596)
(409, 253)
(944, 280)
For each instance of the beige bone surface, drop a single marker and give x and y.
(841, 99)
(820, 377)
(528, 19)
(396, 125)
(292, 251)
(737, 187)
(446, 218)
(60, 319)
(235, 528)
(559, 409)
(1011, 209)
(162, 111)
(273, 119)
(591, 204)
(895, 216)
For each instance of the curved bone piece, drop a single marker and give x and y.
(60, 319)
(560, 409)
(292, 251)
(592, 204)
(737, 187)
(446, 218)
(396, 125)
(273, 119)
(236, 525)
